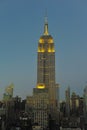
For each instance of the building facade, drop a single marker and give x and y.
(45, 99)
(74, 103)
(8, 92)
(38, 107)
(46, 65)
(85, 104)
(67, 97)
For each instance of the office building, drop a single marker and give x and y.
(45, 99)
(67, 97)
(85, 104)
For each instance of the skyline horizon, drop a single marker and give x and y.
(60, 99)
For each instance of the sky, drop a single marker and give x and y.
(22, 24)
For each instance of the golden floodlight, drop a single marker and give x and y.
(41, 40)
(41, 49)
(51, 50)
(41, 86)
(50, 41)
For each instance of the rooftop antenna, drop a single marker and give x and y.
(46, 24)
(46, 20)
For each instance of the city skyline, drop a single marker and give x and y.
(21, 26)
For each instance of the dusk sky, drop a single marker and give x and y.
(22, 24)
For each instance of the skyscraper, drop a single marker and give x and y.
(85, 103)
(67, 96)
(8, 92)
(46, 59)
(45, 99)
(46, 64)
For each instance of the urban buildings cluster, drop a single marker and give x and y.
(43, 110)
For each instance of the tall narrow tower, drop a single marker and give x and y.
(46, 59)
(46, 65)
(45, 100)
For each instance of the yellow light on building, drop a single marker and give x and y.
(50, 41)
(41, 50)
(41, 41)
(40, 86)
(51, 50)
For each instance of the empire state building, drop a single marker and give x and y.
(46, 64)
(45, 99)
(46, 59)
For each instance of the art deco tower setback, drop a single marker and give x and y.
(46, 66)
(45, 99)
(46, 60)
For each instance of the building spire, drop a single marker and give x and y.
(46, 25)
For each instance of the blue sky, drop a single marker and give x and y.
(22, 24)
